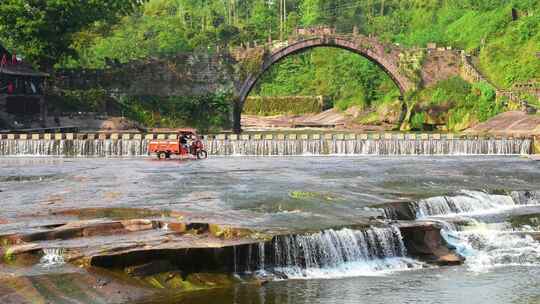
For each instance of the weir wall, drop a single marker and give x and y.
(271, 144)
(261, 136)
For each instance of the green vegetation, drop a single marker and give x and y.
(93, 100)
(303, 195)
(43, 31)
(453, 104)
(297, 105)
(95, 34)
(205, 112)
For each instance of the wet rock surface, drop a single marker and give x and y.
(425, 242)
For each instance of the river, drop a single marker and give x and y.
(295, 194)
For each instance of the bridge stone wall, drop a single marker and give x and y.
(183, 75)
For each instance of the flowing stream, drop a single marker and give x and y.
(334, 243)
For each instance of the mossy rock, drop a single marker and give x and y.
(536, 147)
(227, 232)
(304, 195)
(372, 118)
(211, 280)
(169, 280)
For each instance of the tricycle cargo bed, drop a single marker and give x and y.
(170, 146)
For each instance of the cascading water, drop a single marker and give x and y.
(470, 203)
(485, 245)
(465, 202)
(52, 257)
(489, 247)
(74, 148)
(334, 253)
(369, 147)
(139, 147)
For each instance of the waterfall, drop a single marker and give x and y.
(74, 148)
(492, 247)
(465, 202)
(469, 202)
(289, 147)
(261, 253)
(369, 147)
(526, 197)
(52, 257)
(334, 253)
(487, 246)
(484, 245)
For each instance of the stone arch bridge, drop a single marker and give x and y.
(388, 57)
(239, 70)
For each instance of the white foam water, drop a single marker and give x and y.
(377, 267)
(471, 203)
(484, 245)
(486, 248)
(52, 257)
(341, 253)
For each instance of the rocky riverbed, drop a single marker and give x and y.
(138, 230)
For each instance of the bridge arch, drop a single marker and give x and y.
(385, 56)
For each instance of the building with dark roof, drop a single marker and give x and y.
(21, 91)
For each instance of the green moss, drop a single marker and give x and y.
(303, 195)
(410, 64)
(371, 118)
(211, 280)
(91, 100)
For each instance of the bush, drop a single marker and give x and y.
(206, 112)
(93, 100)
(417, 121)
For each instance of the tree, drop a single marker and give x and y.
(43, 30)
(311, 12)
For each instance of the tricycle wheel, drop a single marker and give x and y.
(202, 154)
(162, 155)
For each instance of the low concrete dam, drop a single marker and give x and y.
(133, 145)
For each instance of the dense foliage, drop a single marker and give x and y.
(454, 103)
(507, 49)
(203, 112)
(42, 31)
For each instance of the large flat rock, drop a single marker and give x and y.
(513, 123)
